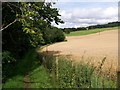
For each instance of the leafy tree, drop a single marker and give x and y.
(36, 17)
(13, 37)
(28, 21)
(23, 27)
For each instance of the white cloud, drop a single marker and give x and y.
(65, 15)
(110, 12)
(77, 17)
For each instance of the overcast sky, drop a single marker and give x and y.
(81, 14)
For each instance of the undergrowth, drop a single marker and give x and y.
(48, 71)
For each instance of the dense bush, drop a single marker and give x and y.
(53, 34)
(67, 31)
(8, 62)
(7, 57)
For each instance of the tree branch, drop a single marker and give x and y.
(8, 25)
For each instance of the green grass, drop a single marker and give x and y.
(14, 82)
(91, 31)
(28, 65)
(46, 72)
(40, 78)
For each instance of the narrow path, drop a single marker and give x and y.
(28, 64)
(26, 82)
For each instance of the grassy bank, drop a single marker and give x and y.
(26, 71)
(46, 71)
(91, 31)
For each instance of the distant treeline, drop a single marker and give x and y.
(111, 24)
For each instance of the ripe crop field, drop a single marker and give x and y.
(93, 48)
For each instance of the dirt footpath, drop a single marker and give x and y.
(92, 47)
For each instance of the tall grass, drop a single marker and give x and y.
(67, 74)
(57, 72)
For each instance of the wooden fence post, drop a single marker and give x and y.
(118, 72)
(57, 67)
(118, 76)
(118, 79)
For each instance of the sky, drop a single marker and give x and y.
(81, 14)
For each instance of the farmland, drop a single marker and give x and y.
(38, 54)
(92, 31)
(93, 48)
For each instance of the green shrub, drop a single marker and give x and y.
(52, 35)
(7, 57)
(8, 62)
